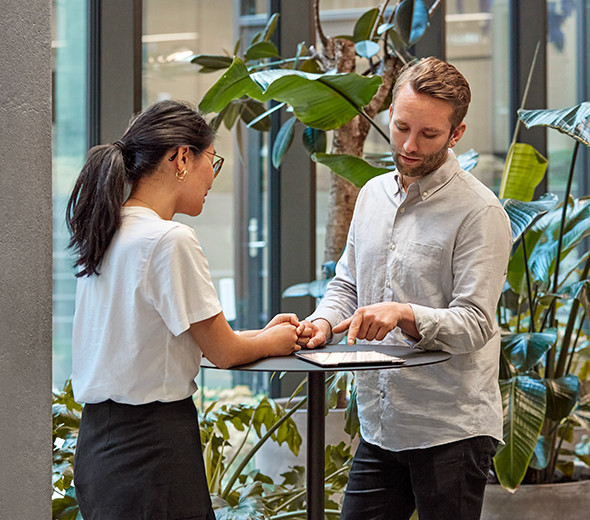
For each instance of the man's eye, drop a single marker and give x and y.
(430, 136)
(401, 128)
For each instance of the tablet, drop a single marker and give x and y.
(352, 357)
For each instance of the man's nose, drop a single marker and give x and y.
(410, 145)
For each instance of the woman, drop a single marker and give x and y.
(146, 311)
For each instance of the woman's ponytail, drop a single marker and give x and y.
(94, 210)
(93, 213)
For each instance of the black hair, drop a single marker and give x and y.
(93, 213)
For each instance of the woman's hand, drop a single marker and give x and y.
(280, 339)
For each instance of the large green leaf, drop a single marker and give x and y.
(364, 25)
(352, 168)
(574, 121)
(523, 171)
(581, 292)
(234, 83)
(261, 50)
(411, 20)
(211, 62)
(252, 114)
(283, 141)
(524, 350)
(562, 396)
(542, 453)
(524, 403)
(577, 227)
(523, 214)
(314, 140)
(324, 101)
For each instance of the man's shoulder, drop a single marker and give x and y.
(474, 188)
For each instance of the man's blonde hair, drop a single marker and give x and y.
(438, 79)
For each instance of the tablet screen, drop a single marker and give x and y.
(331, 359)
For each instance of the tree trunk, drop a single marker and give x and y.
(350, 139)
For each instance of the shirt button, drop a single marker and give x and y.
(392, 247)
(388, 285)
(382, 394)
(425, 194)
(402, 210)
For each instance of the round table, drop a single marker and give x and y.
(317, 401)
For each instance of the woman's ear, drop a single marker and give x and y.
(182, 156)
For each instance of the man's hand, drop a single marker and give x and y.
(319, 332)
(374, 322)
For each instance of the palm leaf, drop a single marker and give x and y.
(523, 171)
(524, 403)
(573, 121)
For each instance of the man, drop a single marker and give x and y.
(425, 264)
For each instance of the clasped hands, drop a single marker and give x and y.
(371, 322)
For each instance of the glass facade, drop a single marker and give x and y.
(233, 227)
(69, 149)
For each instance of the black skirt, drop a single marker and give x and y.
(141, 462)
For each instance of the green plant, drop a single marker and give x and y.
(543, 313)
(66, 414)
(238, 490)
(323, 90)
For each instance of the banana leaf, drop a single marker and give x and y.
(524, 350)
(523, 171)
(323, 101)
(523, 214)
(524, 403)
(283, 141)
(468, 160)
(562, 396)
(577, 227)
(573, 121)
(314, 140)
(352, 168)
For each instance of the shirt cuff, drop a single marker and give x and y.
(333, 318)
(427, 323)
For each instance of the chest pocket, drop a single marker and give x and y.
(421, 271)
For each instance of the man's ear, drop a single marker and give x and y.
(457, 134)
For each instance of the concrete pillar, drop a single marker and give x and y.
(25, 259)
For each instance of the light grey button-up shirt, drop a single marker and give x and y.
(443, 248)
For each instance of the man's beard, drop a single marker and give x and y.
(427, 165)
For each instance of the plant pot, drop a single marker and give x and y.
(567, 500)
(272, 459)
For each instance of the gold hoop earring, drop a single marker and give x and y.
(181, 175)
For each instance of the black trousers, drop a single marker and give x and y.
(141, 462)
(445, 482)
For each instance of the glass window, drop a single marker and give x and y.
(477, 43)
(69, 149)
(173, 33)
(562, 53)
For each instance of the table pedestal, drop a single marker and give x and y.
(316, 440)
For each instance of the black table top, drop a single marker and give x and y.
(413, 357)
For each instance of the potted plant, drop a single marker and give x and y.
(543, 311)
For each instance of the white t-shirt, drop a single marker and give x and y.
(131, 341)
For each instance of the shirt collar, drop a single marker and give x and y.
(434, 181)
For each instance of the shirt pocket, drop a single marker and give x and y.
(421, 271)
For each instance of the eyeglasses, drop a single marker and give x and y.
(217, 163)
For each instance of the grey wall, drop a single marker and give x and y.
(25, 259)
